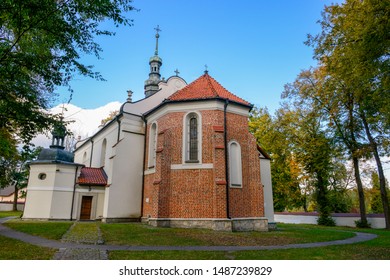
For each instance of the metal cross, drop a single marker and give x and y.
(158, 29)
(177, 72)
(206, 71)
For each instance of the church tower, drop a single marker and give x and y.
(155, 62)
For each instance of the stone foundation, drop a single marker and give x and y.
(120, 220)
(238, 224)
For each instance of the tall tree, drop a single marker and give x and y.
(270, 133)
(354, 47)
(41, 42)
(329, 97)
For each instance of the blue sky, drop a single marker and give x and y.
(252, 47)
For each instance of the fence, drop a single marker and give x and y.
(7, 206)
(341, 219)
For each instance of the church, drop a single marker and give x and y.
(180, 157)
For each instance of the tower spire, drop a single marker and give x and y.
(155, 62)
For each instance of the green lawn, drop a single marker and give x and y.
(4, 214)
(50, 230)
(140, 234)
(12, 249)
(376, 249)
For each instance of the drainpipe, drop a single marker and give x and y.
(90, 159)
(119, 128)
(143, 165)
(74, 191)
(226, 157)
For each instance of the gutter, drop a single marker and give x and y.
(74, 191)
(143, 166)
(226, 157)
(119, 128)
(90, 159)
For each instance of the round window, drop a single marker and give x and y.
(42, 176)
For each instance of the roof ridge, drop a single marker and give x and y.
(214, 91)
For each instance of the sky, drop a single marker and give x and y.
(251, 47)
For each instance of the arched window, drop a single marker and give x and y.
(192, 138)
(152, 146)
(235, 167)
(103, 153)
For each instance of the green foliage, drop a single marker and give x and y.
(362, 224)
(326, 220)
(41, 42)
(270, 133)
(14, 171)
(353, 51)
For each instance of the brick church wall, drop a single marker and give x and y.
(201, 193)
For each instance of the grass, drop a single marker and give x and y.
(12, 249)
(4, 214)
(376, 249)
(50, 230)
(139, 234)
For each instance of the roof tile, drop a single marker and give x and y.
(205, 87)
(92, 176)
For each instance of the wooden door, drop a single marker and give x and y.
(86, 206)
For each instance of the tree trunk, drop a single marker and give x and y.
(15, 202)
(362, 205)
(382, 180)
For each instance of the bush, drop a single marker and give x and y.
(326, 221)
(361, 224)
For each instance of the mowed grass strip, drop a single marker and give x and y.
(50, 230)
(12, 249)
(376, 249)
(142, 235)
(4, 214)
(168, 255)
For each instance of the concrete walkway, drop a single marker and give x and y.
(72, 250)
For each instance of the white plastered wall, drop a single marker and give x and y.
(51, 197)
(265, 173)
(124, 195)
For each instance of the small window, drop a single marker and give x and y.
(42, 176)
(235, 167)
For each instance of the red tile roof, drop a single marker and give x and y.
(205, 87)
(92, 176)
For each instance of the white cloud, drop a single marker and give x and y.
(83, 122)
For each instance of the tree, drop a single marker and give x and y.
(110, 117)
(41, 42)
(14, 172)
(353, 47)
(270, 134)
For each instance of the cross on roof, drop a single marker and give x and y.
(206, 67)
(158, 29)
(177, 72)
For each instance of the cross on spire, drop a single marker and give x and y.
(206, 67)
(157, 36)
(157, 29)
(177, 72)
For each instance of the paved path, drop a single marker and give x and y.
(70, 250)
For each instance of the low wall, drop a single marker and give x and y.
(7, 206)
(341, 219)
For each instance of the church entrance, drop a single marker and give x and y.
(86, 206)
